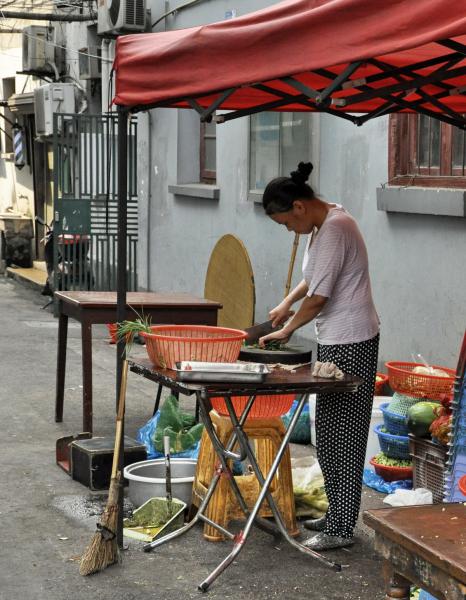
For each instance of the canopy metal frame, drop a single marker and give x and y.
(343, 91)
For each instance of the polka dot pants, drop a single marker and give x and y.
(342, 428)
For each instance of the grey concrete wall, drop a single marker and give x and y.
(417, 261)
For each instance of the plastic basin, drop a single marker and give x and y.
(147, 479)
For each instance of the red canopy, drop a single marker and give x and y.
(341, 56)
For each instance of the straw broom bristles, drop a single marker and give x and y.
(103, 550)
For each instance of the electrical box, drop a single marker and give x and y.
(38, 49)
(90, 63)
(115, 16)
(49, 99)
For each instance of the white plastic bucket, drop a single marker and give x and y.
(373, 447)
(147, 479)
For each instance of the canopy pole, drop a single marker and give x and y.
(121, 284)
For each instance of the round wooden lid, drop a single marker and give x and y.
(230, 281)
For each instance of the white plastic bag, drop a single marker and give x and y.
(409, 497)
(308, 487)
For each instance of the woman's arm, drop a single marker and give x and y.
(308, 311)
(282, 312)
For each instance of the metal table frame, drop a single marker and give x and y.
(203, 392)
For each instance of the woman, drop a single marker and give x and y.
(336, 292)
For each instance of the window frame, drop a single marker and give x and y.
(208, 176)
(403, 151)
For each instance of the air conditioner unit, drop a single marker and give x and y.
(49, 99)
(90, 62)
(38, 49)
(116, 16)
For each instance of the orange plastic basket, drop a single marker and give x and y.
(462, 485)
(379, 385)
(169, 344)
(264, 407)
(403, 380)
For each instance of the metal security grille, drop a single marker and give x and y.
(85, 202)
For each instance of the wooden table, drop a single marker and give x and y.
(92, 308)
(301, 382)
(424, 546)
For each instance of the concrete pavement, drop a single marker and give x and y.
(44, 529)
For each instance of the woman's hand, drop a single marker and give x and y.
(280, 314)
(277, 336)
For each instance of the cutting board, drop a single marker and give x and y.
(230, 281)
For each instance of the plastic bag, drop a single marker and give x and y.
(376, 482)
(302, 431)
(308, 487)
(409, 497)
(184, 443)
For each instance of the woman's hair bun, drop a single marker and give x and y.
(301, 175)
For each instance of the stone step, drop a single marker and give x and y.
(33, 277)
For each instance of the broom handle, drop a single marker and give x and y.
(119, 421)
(291, 265)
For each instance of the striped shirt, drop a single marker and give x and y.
(335, 266)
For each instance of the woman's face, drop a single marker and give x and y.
(299, 219)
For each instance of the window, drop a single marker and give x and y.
(208, 150)
(278, 142)
(426, 152)
(6, 121)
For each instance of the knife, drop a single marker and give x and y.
(255, 332)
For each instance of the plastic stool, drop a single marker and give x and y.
(265, 436)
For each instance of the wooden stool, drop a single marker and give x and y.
(266, 435)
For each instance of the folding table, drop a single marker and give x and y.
(91, 308)
(300, 382)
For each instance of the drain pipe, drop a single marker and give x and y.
(105, 76)
(149, 200)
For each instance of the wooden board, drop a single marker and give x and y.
(230, 281)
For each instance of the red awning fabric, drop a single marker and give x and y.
(284, 57)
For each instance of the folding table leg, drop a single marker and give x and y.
(213, 484)
(265, 484)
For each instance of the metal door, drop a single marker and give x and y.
(85, 202)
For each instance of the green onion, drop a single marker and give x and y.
(127, 330)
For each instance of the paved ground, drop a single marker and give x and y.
(43, 533)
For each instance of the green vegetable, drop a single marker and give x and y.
(386, 461)
(126, 330)
(270, 346)
(179, 426)
(420, 418)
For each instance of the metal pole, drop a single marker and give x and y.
(121, 283)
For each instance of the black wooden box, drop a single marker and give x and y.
(91, 460)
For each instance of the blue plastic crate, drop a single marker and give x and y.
(394, 423)
(394, 446)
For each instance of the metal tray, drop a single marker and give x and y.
(221, 372)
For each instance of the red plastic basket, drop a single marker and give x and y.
(379, 385)
(403, 380)
(462, 485)
(392, 473)
(169, 344)
(264, 407)
(112, 330)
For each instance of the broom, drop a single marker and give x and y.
(103, 549)
(291, 265)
